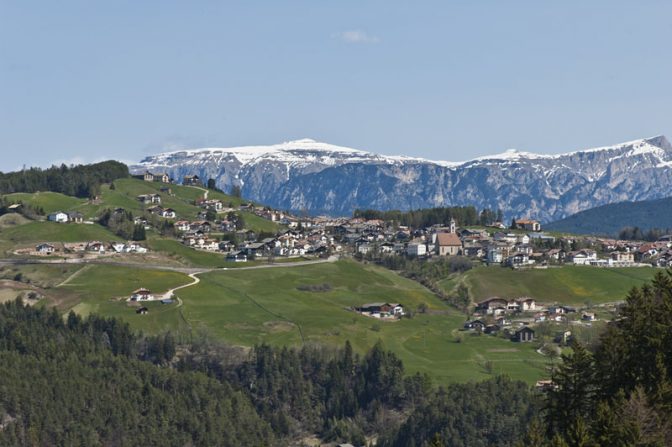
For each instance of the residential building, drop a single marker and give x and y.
(58, 216)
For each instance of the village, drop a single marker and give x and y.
(219, 228)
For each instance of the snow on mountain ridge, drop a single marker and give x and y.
(297, 151)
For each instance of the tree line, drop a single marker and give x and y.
(638, 234)
(426, 217)
(78, 181)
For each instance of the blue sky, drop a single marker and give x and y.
(446, 80)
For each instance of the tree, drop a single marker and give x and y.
(212, 184)
(240, 222)
(235, 191)
(572, 399)
(139, 233)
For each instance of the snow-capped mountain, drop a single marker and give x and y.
(323, 178)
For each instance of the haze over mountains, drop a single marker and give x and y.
(321, 178)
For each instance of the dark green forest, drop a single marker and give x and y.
(93, 382)
(78, 181)
(464, 215)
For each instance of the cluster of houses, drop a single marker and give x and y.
(495, 315)
(187, 180)
(522, 245)
(288, 243)
(92, 247)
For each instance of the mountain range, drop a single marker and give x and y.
(321, 178)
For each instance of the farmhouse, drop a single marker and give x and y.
(58, 216)
(142, 294)
(45, 249)
(76, 217)
(381, 310)
(163, 178)
(525, 334)
(192, 180)
(150, 198)
(168, 213)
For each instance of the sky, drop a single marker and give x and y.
(82, 81)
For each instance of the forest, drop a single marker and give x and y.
(92, 381)
(464, 215)
(79, 181)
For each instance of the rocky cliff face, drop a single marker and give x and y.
(322, 178)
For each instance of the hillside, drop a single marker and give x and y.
(245, 307)
(564, 285)
(323, 178)
(17, 232)
(610, 219)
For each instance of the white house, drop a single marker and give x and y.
(168, 213)
(46, 249)
(582, 257)
(495, 255)
(416, 248)
(58, 216)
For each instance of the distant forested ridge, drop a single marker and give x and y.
(611, 219)
(93, 382)
(464, 215)
(78, 181)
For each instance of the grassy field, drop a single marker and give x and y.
(245, 307)
(572, 285)
(254, 306)
(48, 201)
(55, 232)
(187, 255)
(104, 289)
(259, 224)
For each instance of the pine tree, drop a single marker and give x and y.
(573, 396)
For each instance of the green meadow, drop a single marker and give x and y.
(35, 231)
(104, 289)
(573, 285)
(48, 201)
(247, 307)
